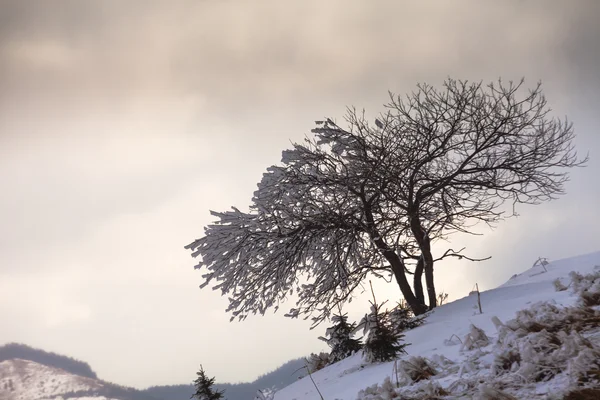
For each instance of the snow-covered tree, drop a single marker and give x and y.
(402, 318)
(340, 338)
(383, 342)
(265, 394)
(371, 200)
(315, 362)
(204, 387)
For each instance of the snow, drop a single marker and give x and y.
(440, 337)
(28, 380)
(457, 349)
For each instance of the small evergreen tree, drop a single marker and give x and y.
(340, 338)
(383, 343)
(403, 319)
(315, 362)
(204, 389)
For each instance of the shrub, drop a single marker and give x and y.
(340, 338)
(315, 362)
(383, 342)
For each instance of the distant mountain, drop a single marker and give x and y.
(16, 350)
(32, 374)
(279, 378)
(27, 373)
(24, 379)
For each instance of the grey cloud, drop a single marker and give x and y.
(269, 52)
(123, 122)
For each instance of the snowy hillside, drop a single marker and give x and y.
(28, 380)
(543, 360)
(33, 374)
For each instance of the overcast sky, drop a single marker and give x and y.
(123, 122)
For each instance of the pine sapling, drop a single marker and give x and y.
(403, 319)
(383, 342)
(204, 387)
(340, 338)
(315, 362)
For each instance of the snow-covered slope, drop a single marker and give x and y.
(446, 326)
(28, 380)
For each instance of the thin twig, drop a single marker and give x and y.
(461, 342)
(314, 383)
(373, 293)
(479, 299)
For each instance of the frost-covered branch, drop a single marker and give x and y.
(371, 200)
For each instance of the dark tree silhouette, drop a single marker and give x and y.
(340, 338)
(403, 319)
(370, 200)
(383, 342)
(204, 387)
(465, 151)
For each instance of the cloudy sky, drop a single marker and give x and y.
(123, 122)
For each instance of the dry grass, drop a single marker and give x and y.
(591, 375)
(557, 319)
(504, 361)
(489, 392)
(590, 299)
(431, 392)
(417, 369)
(583, 394)
(475, 339)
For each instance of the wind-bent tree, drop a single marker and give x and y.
(365, 199)
(465, 151)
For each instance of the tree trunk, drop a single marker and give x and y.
(395, 261)
(417, 306)
(430, 284)
(418, 281)
(425, 246)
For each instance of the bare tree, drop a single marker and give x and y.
(318, 225)
(468, 149)
(371, 200)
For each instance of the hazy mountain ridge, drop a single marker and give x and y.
(27, 373)
(12, 351)
(278, 378)
(25, 379)
(29, 380)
